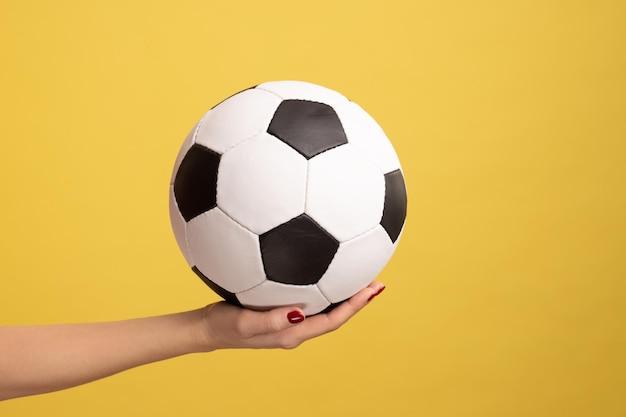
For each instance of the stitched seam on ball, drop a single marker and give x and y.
(379, 168)
(369, 158)
(254, 135)
(187, 247)
(367, 155)
(271, 92)
(234, 221)
(251, 288)
(332, 103)
(322, 292)
(362, 233)
(255, 234)
(200, 123)
(193, 141)
(306, 187)
(238, 224)
(218, 189)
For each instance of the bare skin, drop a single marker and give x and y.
(39, 359)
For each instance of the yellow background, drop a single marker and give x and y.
(506, 296)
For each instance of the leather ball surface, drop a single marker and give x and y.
(287, 193)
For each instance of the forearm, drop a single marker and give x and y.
(37, 359)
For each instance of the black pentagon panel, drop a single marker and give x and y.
(308, 127)
(297, 252)
(196, 182)
(394, 211)
(226, 295)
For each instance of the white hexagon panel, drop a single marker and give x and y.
(236, 119)
(356, 264)
(261, 183)
(345, 192)
(366, 134)
(229, 254)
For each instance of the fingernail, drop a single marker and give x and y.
(295, 316)
(376, 293)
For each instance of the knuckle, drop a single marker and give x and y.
(274, 325)
(332, 325)
(241, 327)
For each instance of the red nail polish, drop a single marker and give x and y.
(376, 293)
(295, 317)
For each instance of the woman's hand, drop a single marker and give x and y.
(227, 326)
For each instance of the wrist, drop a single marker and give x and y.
(203, 342)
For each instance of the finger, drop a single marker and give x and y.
(324, 323)
(343, 312)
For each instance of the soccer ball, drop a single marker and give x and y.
(287, 193)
